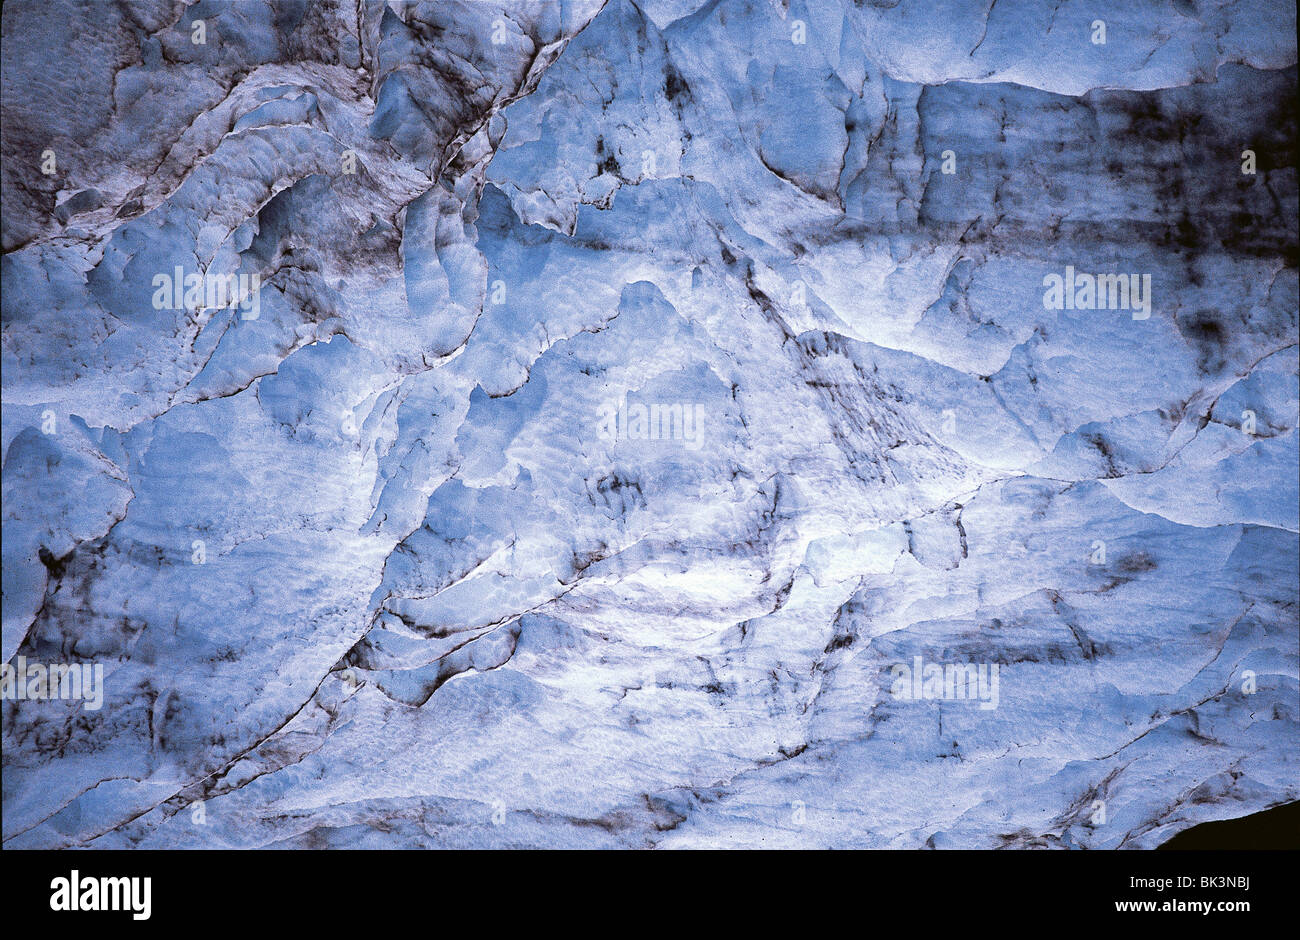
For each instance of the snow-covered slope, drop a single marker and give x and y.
(620, 400)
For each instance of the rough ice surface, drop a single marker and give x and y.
(385, 557)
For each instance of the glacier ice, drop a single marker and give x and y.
(624, 396)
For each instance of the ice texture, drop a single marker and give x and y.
(386, 553)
